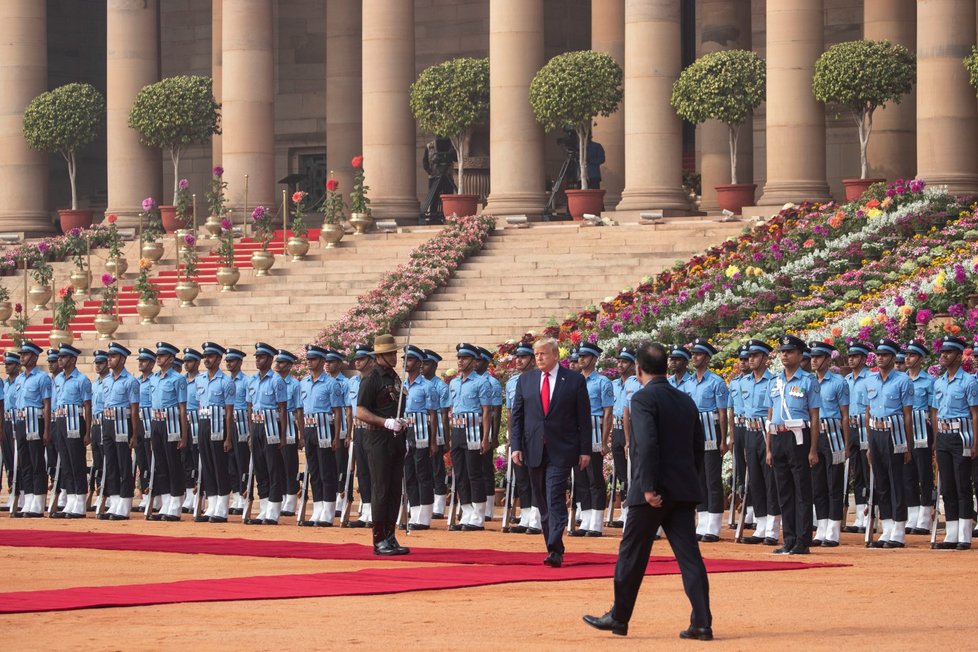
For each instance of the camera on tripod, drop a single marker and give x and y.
(569, 142)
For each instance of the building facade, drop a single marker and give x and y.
(307, 84)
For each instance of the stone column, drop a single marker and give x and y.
(608, 36)
(795, 120)
(947, 113)
(516, 167)
(248, 90)
(23, 76)
(344, 117)
(722, 25)
(653, 132)
(893, 144)
(389, 134)
(217, 65)
(134, 171)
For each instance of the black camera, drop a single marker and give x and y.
(569, 141)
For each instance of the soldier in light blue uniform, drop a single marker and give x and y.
(529, 513)
(793, 403)
(52, 446)
(268, 399)
(11, 362)
(495, 416)
(828, 475)
(100, 360)
(190, 454)
(593, 484)
(762, 490)
(738, 432)
(322, 401)
(353, 429)
(440, 387)
(956, 402)
(33, 418)
(421, 409)
(146, 361)
(169, 432)
(215, 429)
(293, 438)
(470, 417)
(679, 376)
(712, 397)
(120, 434)
(238, 462)
(889, 413)
(858, 432)
(72, 405)
(624, 387)
(919, 474)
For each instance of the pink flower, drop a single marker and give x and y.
(42, 247)
(258, 213)
(183, 184)
(149, 204)
(107, 279)
(190, 240)
(111, 218)
(218, 171)
(226, 224)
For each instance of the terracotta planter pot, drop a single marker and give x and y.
(734, 196)
(171, 223)
(75, 219)
(460, 205)
(856, 187)
(580, 202)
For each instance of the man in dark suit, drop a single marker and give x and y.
(550, 432)
(667, 459)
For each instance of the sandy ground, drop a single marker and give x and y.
(887, 599)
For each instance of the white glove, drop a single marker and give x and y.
(394, 425)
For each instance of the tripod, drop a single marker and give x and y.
(431, 212)
(549, 210)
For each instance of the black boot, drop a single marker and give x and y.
(382, 545)
(392, 539)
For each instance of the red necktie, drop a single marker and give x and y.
(545, 393)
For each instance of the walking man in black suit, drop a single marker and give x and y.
(667, 459)
(550, 432)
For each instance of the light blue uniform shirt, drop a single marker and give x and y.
(923, 390)
(266, 392)
(954, 397)
(241, 382)
(684, 384)
(146, 390)
(219, 390)
(799, 395)
(294, 401)
(888, 398)
(121, 391)
(469, 394)
(73, 390)
(193, 392)
(511, 390)
(34, 388)
(709, 393)
(320, 395)
(755, 394)
(736, 399)
(10, 395)
(169, 390)
(421, 396)
(495, 389)
(600, 392)
(623, 394)
(98, 395)
(857, 393)
(834, 391)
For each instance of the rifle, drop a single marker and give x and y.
(100, 502)
(572, 521)
(304, 494)
(13, 484)
(451, 504)
(611, 500)
(845, 489)
(742, 516)
(199, 496)
(152, 477)
(348, 485)
(53, 505)
(870, 520)
(249, 493)
(937, 503)
(508, 502)
(397, 415)
(733, 488)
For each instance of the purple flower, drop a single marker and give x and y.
(42, 247)
(107, 279)
(924, 316)
(183, 184)
(218, 171)
(149, 204)
(917, 185)
(901, 189)
(637, 319)
(258, 213)
(960, 276)
(592, 338)
(190, 240)
(75, 232)
(860, 213)
(898, 301)
(226, 224)
(956, 310)
(889, 192)
(616, 328)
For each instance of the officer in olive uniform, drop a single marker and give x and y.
(378, 401)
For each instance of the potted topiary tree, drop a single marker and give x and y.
(450, 99)
(570, 91)
(725, 86)
(64, 121)
(862, 76)
(173, 114)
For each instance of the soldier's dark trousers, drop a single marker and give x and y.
(887, 476)
(956, 484)
(363, 467)
(763, 487)
(213, 463)
(417, 474)
(385, 456)
(794, 478)
(827, 479)
(169, 461)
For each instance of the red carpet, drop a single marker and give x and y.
(318, 585)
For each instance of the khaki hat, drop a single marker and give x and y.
(385, 344)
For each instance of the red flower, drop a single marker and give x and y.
(297, 196)
(332, 185)
(111, 218)
(357, 161)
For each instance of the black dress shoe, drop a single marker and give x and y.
(816, 543)
(699, 537)
(618, 524)
(236, 511)
(851, 529)
(419, 527)
(770, 541)
(946, 545)
(18, 514)
(861, 529)
(255, 521)
(534, 530)
(73, 515)
(879, 543)
(518, 529)
(594, 533)
(57, 515)
(894, 544)
(117, 517)
(963, 546)
(105, 516)
(324, 524)
(799, 551)
(171, 518)
(919, 530)
(200, 518)
(269, 521)
(384, 549)
(306, 523)
(154, 517)
(287, 514)
(356, 523)
(607, 624)
(473, 528)
(401, 550)
(438, 517)
(697, 633)
(710, 538)
(31, 514)
(830, 544)
(577, 532)
(186, 510)
(456, 527)
(217, 519)
(752, 540)
(554, 560)
(782, 551)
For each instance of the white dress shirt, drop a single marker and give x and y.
(553, 380)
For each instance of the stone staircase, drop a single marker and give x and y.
(526, 277)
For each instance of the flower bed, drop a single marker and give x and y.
(402, 290)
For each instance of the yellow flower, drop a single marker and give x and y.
(732, 271)
(564, 352)
(866, 321)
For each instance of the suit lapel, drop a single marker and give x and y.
(561, 379)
